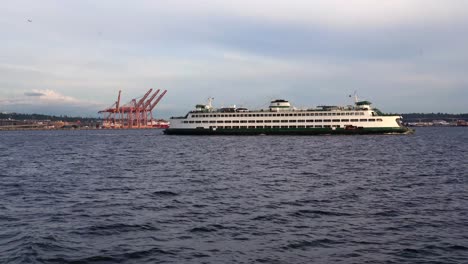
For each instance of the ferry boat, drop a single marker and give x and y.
(283, 119)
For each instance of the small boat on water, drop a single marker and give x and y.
(283, 119)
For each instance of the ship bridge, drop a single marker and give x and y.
(279, 105)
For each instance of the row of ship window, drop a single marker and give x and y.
(263, 127)
(290, 114)
(285, 121)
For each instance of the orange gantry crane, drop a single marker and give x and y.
(134, 114)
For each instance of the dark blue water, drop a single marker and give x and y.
(137, 196)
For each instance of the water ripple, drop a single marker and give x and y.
(137, 196)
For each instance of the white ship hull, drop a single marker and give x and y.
(285, 120)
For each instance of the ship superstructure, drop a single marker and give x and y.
(281, 119)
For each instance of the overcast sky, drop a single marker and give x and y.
(72, 57)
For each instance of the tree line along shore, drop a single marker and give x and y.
(14, 121)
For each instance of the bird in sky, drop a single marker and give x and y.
(29, 20)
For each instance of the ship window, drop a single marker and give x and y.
(212, 121)
(267, 126)
(301, 121)
(267, 121)
(284, 121)
(259, 121)
(227, 121)
(220, 127)
(197, 122)
(318, 120)
(310, 120)
(294, 114)
(249, 115)
(251, 121)
(276, 121)
(379, 120)
(362, 113)
(275, 126)
(205, 121)
(236, 127)
(219, 121)
(259, 127)
(309, 126)
(371, 120)
(300, 126)
(292, 126)
(190, 122)
(336, 126)
(363, 120)
(243, 121)
(281, 115)
(292, 121)
(333, 113)
(354, 120)
(251, 126)
(284, 126)
(318, 126)
(326, 126)
(235, 121)
(344, 120)
(326, 120)
(336, 120)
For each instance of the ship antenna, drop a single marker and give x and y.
(355, 97)
(210, 100)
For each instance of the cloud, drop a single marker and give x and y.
(330, 13)
(50, 96)
(243, 51)
(49, 101)
(33, 94)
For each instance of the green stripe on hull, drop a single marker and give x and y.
(288, 131)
